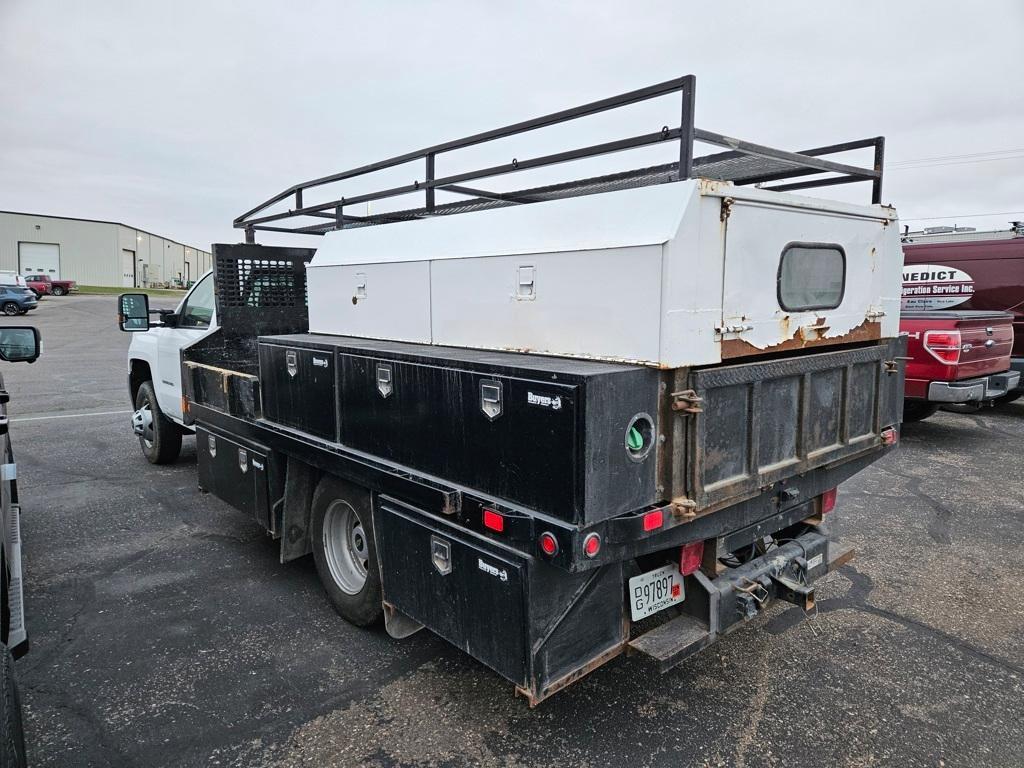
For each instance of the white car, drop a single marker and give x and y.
(154, 372)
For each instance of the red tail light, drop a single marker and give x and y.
(828, 500)
(689, 559)
(548, 544)
(591, 545)
(494, 521)
(944, 346)
(653, 520)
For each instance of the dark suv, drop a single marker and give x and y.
(15, 300)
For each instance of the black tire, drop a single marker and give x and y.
(335, 502)
(1009, 398)
(918, 410)
(11, 308)
(12, 731)
(161, 444)
(58, 290)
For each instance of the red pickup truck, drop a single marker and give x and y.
(43, 285)
(956, 357)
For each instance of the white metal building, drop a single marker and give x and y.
(95, 252)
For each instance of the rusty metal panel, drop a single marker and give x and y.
(760, 423)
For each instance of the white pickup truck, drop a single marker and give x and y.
(154, 372)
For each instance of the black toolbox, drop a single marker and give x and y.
(531, 622)
(575, 439)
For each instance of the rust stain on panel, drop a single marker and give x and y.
(869, 330)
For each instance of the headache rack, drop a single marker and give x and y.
(744, 163)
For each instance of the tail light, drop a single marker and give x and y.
(828, 500)
(690, 557)
(653, 520)
(944, 346)
(591, 545)
(548, 544)
(493, 521)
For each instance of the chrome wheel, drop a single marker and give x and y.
(142, 425)
(346, 548)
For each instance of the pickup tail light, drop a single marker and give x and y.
(690, 557)
(944, 346)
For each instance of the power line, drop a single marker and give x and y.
(957, 157)
(960, 216)
(895, 167)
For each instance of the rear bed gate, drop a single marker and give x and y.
(763, 422)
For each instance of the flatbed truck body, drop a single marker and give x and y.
(532, 483)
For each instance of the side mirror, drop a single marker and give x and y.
(20, 344)
(133, 312)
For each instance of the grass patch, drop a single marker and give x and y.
(103, 289)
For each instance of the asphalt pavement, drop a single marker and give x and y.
(164, 631)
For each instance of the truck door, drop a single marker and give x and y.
(797, 277)
(195, 320)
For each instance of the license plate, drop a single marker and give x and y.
(654, 591)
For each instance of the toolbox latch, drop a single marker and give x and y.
(384, 382)
(441, 555)
(490, 398)
(291, 360)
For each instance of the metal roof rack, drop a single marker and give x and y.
(743, 163)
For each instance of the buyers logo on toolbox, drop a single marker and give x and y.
(935, 286)
(554, 402)
(319, 362)
(501, 573)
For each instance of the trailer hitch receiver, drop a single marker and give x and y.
(794, 592)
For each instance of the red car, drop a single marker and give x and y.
(43, 285)
(956, 357)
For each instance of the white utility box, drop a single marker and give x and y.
(672, 275)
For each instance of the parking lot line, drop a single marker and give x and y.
(72, 415)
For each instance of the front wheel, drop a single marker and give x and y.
(918, 410)
(58, 291)
(345, 552)
(159, 437)
(11, 308)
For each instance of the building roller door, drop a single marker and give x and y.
(39, 259)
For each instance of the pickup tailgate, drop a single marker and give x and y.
(759, 423)
(986, 342)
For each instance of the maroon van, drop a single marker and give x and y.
(947, 268)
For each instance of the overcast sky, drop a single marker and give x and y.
(177, 116)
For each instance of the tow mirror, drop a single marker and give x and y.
(133, 312)
(20, 344)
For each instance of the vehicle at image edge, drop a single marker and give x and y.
(956, 357)
(45, 285)
(947, 268)
(17, 344)
(15, 300)
(558, 452)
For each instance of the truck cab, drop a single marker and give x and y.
(154, 371)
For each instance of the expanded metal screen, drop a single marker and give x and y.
(261, 289)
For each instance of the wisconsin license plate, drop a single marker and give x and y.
(654, 591)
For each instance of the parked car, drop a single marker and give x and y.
(15, 300)
(44, 284)
(39, 284)
(12, 278)
(956, 357)
(947, 268)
